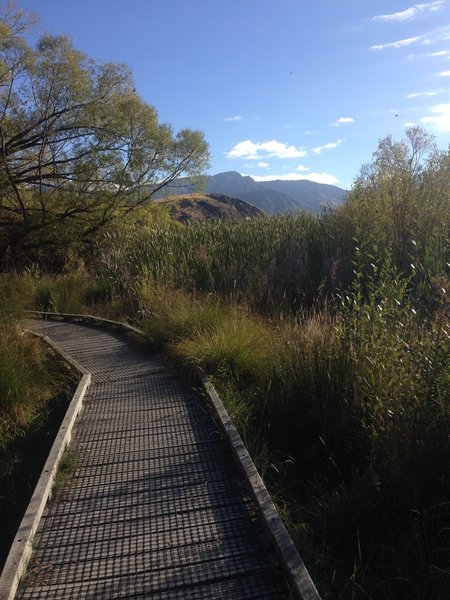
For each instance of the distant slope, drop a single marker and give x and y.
(275, 196)
(203, 207)
(314, 196)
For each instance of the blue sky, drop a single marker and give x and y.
(280, 88)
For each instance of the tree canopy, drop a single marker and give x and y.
(78, 146)
(402, 199)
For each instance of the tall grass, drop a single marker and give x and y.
(341, 389)
(77, 292)
(328, 338)
(171, 315)
(370, 404)
(33, 395)
(28, 378)
(279, 262)
(346, 412)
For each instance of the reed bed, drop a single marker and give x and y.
(331, 352)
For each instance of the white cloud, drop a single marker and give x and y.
(322, 178)
(444, 74)
(263, 165)
(317, 177)
(235, 118)
(398, 43)
(409, 124)
(439, 119)
(412, 12)
(302, 168)
(329, 146)
(342, 120)
(285, 177)
(271, 149)
(421, 94)
(440, 53)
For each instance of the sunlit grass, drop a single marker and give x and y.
(240, 346)
(346, 413)
(333, 364)
(170, 315)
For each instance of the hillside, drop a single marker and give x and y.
(203, 207)
(275, 196)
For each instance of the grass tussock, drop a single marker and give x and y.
(328, 338)
(240, 347)
(78, 292)
(21, 360)
(170, 315)
(346, 413)
(66, 468)
(34, 390)
(368, 483)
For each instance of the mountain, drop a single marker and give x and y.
(203, 207)
(275, 196)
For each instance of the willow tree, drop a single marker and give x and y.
(401, 201)
(78, 146)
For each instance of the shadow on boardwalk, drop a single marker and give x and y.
(155, 507)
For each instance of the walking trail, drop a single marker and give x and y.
(155, 506)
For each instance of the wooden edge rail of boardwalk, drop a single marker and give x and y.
(155, 508)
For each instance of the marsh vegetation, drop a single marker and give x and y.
(328, 337)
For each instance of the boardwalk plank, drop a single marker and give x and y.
(155, 507)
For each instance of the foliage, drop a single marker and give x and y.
(27, 379)
(400, 203)
(239, 347)
(171, 315)
(348, 415)
(274, 263)
(33, 398)
(66, 467)
(328, 336)
(78, 147)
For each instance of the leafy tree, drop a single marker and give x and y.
(400, 202)
(78, 146)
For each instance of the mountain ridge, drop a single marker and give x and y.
(275, 196)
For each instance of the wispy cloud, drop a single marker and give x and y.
(399, 43)
(434, 55)
(409, 124)
(439, 118)
(249, 150)
(412, 12)
(440, 53)
(317, 177)
(434, 36)
(421, 95)
(235, 118)
(263, 165)
(302, 168)
(342, 121)
(329, 146)
(444, 74)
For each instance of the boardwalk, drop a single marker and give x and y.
(156, 507)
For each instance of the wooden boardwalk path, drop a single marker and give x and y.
(156, 507)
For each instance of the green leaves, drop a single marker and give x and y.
(77, 142)
(402, 199)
